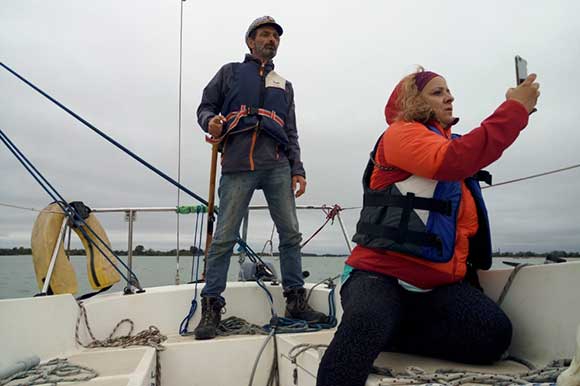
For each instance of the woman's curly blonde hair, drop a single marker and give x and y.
(411, 105)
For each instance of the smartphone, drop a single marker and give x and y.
(522, 73)
(521, 69)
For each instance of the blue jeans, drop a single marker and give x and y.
(235, 193)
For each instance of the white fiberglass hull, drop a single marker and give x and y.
(542, 303)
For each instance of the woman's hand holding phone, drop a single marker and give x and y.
(526, 93)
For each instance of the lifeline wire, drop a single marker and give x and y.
(532, 176)
(30, 209)
(68, 210)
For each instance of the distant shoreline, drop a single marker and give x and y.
(141, 251)
(147, 252)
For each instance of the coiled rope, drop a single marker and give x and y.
(452, 377)
(51, 373)
(151, 337)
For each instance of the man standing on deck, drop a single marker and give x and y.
(251, 108)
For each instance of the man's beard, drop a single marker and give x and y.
(266, 52)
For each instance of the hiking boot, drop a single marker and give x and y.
(211, 315)
(298, 308)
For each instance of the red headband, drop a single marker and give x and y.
(423, 77)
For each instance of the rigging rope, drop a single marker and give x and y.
(105, 136)
(196, 252)
(179, 133)
(331, 213)
(115, 143)
(195, 263)
(68, 210)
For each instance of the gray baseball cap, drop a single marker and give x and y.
(262, 21)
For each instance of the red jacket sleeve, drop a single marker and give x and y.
(410, 146)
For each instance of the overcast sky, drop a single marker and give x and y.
(116, 64)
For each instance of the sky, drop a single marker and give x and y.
(116, 64)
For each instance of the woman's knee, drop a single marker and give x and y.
(490, 343)
(499, 337)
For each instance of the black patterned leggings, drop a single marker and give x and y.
(455, 322)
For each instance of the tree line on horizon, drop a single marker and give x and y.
(141, 251)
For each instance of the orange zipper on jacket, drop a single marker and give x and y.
(254, 135)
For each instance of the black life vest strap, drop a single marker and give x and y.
(391, 233)
(404, 222)
(372, 198)
(484, 176)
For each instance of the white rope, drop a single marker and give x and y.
(51, 373)
(510, 281)
(452, 377)
(301, 348)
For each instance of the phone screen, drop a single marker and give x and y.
(521, 69)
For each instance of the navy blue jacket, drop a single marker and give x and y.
(255, 143)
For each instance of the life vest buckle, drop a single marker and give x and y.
(252, 110)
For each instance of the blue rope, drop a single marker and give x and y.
(68, 210)
(331, 310)
(253, 256)
(195, 241)
(288, 324)
(183, 327)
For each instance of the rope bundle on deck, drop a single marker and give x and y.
(50, 373)
(150, 337)
(452, 377)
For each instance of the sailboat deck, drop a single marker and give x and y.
(187, 358)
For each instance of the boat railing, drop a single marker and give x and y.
(131, 215)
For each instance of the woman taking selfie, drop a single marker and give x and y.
(411, 283)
